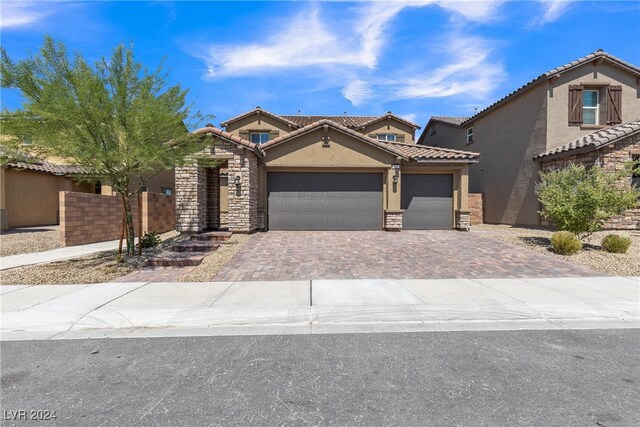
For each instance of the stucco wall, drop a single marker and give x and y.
(341, 151)
(558, 130)
(257, 123)
(31, 198)
(164, 179)
(390, 126)
(507, 139)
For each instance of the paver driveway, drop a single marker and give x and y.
(308, 255)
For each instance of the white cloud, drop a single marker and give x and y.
(552, 10)
(357, 92)
(470, 68)
(350, 47)
(20, 13)
(410, 117)
(305, 40)
(474, 10)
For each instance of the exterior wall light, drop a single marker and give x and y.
(236, 180)
(395, 179)
(395, 166)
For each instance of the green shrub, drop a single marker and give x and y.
(616, 244)
(580, 199)
(150, 240)
(565, 243)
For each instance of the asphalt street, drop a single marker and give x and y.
(505, 378)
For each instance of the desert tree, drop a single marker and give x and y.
(115, 117)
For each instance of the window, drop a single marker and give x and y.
(259, 137)
(469, 135)
(590, 110)
(166, 191)
(635, 177)
(390, 137)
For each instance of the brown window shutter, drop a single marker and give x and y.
(274, 134)
(244, 134)
(400, 138)
(614, 104)
(575, 105)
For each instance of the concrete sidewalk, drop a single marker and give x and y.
(319, 306)
(22, 260)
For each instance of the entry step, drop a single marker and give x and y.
(216, 236)
(178, 259)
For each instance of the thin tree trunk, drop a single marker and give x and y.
(140, 222)
(131, 239)
(121, 234)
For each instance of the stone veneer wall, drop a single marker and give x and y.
(197, 192)
(89, 218)
(463, 220)
(243, 198)
(611, 157)
(213, 197)
(476, 207)
(393, 220)
(190, 198)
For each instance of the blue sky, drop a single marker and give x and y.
(416, 58)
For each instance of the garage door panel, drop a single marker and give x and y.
(427, 201)
(324, 201)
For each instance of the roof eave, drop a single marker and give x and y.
(448, 161)
(314, 126)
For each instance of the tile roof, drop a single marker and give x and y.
(429, 153)
(403, 150)
(348, 121)
(52, 168)
(353, 122)
(211, 130)
(452, 120)
(312, 126)
(261, 111)
(595, 140)
(544, 76)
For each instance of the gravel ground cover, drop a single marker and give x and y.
(97, 268)
(213, 263)
(592, 254)
(29, 240)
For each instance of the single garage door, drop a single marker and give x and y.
(324, 201)
(427, 201)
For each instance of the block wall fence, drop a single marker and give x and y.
(90, 218)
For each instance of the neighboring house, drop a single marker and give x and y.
(611, 148)
(29, 191)
(574, 102)
(163, 182)
(321, 173)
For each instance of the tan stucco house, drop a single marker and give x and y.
(554, 118)
(30, 189)
(269, 172)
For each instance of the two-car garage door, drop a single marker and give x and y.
(353, 201)
(324, 201)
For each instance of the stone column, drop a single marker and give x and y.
(213, 198)
(191, 203)
(463, 220)
(243, 198)
(393, 220)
